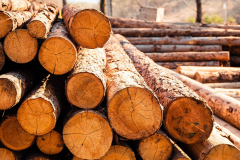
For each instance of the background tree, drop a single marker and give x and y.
(199, 11)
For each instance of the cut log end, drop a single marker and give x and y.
(134, 113)
(6, 154)
(87, 135)
(188, 121)
(6, 24)
(57, 55)
(154, 147)
(90, 29)
(37, 29)
(8, 94)
(36, 116)
(85, 90)
(20, 47)
(51, 143)
(13, 136)
(118, 152)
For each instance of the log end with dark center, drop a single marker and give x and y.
(37, 29)
(6, 24)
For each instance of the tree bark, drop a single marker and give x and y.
(40, 110)
(228, 85)
(235, 93)
(179, 48)
(64, 2)
(199, 11)
(86, 84)
(15, 5)
(91, 33)
(87, 134)
(58, 53)
(189, 56)
(133, 109)
(174, 65)
(2, 57)
(182, 106)
(102, 6)
(41, 23)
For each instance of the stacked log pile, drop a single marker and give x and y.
(69, 89)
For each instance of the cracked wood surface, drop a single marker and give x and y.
(87, 134)
(86, 84)
(133, 109)
(40, 110)
(58, 53)
(20, 47)
(41, 23)
(89, 27)
(187, 117)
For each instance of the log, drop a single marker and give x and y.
(154, 32)
(58, 53)
(187, 117)
(41, 108)
(14, 85)
(178, 153)
(7, 154)
(187, 73)
(41, 23)
(15, 5)
(216, 147)
(13, 136)
(12, 20)
(178, 48)
(174, 65)
(235, 93)
(87, 134)
(20, 47)
(232, 41)
(34, 154)
(86, 84)
(235, 60)
(2, 57)
(35, 6)
(217, 76)
(89, 28)
(228, 85)
(155, 146)
(189, 56)
(133, 109)
(119, 152)
(50, 143)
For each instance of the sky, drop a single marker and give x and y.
(89, 1)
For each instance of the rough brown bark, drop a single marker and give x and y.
(235, 93)
(41, 23)
(88, 27)
(87, 134)
(189, 56)
(2, 57)
(12, 20)
(133, 109)
(217, 76)
(86, 84)
(153, 32)
(174, 65)
(58, 53)
(187, 117)
(178, 48)
(228, 85)
(102, 6)
(233, 41)
(41, 108)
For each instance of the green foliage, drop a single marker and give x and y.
(190, 20)
(231, 19)
(212, 19)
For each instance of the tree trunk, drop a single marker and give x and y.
(13, 136)
(199, 11)
(64, 2)
(228, 85)
(91, 33)
(40, 110)
(156, 146)
(102, 6)
(119, 152)
(235, 93)
(185, 40)
(174, 65)
(50, 143)
(58, 53)
(154, 32)
(179, 48)
(86, 84)
(87, 134)
(109, 7)
(42, 22)
(217, 76)
(187, 117)
(2, 57)
(14, 85)
(178, 153)
(216, 147)
(189, 56)
(12, 20)
(133, 109)
(20, 47)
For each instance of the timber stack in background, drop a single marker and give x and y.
(72, 90)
